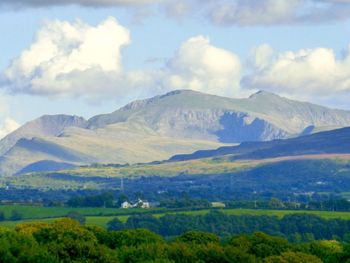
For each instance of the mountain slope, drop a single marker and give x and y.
(44, 166)
(329, 142)
(45, 126)
(30, 151)
(156, 129)
(262, 116)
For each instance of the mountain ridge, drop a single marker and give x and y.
(180, 121)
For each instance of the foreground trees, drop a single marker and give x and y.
(67, 240)
(295, 227)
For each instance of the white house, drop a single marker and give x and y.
(142, 204)
(139, 204)
(126, 204)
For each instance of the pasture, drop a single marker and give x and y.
(101, 216)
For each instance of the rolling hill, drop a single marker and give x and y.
(181, 121)
(315, 164)
(329, 142)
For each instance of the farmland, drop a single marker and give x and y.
(101, 216)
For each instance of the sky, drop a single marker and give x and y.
(87, 57)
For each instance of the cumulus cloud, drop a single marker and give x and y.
(261, 56)
(7, 126)
(309, 72)
(200, 66)
(70, 59)
(79, 60)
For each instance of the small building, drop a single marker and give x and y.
(139, 204)
(146, 205)
(126, 205)
(218, 205)
(142, 204)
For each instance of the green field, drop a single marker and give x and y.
(39, 212)
(101, 216)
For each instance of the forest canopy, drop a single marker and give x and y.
(66, 240)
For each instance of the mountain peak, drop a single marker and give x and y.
(181, 92)
(137, 104)
(263, 93)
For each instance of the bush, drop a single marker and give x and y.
(115, 225)
(16, 215)
(133, 237)
(77, 216)
(2, 216)
(199, 238)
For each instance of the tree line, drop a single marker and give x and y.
(294, 227)
(68, 241)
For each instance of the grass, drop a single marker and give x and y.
(203, 166)
(102, 220)
(39, 212)
(94, 178)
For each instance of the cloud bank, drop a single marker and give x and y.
(220, 12)
(311, 72)
(272, 12)
(88, 3)
(79, 60)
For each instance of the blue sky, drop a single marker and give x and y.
(282, 46)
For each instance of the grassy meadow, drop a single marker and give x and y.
(101, 216)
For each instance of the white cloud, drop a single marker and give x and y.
(79, 60)
(70, 59)
(307, 72)
(198, 65)
(261, 56)
(9, 125)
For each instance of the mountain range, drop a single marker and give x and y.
(179, 122)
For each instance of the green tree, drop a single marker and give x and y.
(16, 247)
(16, 215)
(293, 257)
(77, 216)
(69, 241)
(196, 237)
(115, 225)
(2, 216)
(276, 203)
(211, 252)
(234, 255)
(132, 237)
